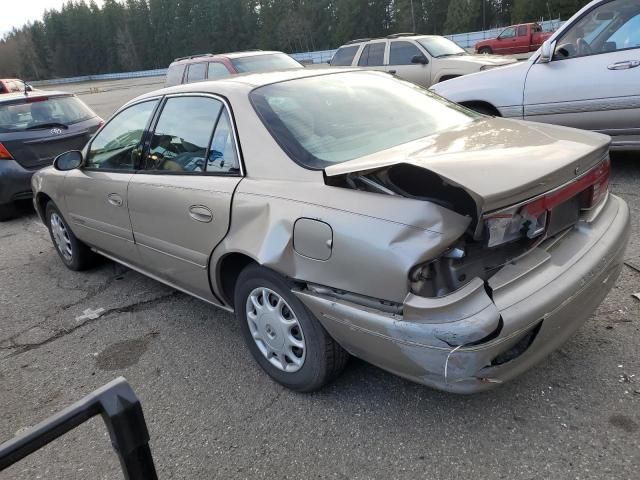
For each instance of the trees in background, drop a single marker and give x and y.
(122, 35)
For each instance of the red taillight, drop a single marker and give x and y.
(594, 185)
(4, 153)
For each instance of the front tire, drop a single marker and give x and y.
(73, 253)
(485, 51)
(283, 336)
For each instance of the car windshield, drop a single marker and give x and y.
(333, 118)
(264, 63)
(441, 47)
(33, 113)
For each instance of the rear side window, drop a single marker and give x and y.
(372, 55)
(217, 70)
(181, 138)
(223, 157)
(196, 72)
(522, 31)
(401, 53)
(37, 113)
(174, 75)
(118, 145)
(344, 56)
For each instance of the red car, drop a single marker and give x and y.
(523, 38)
(11, 85)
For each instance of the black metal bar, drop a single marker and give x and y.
(122, 413)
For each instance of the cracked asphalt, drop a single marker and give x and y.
(212, 413)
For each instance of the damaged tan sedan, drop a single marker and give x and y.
(349, 212)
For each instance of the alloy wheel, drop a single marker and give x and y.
(61, 236)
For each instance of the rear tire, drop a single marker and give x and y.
(485, 51)
(283, 336)
(8, 211)
(73, 253)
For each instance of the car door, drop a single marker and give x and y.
(505, 43)
(373, 55)
(180, 202)
(401, 52)
(96, 193)
(522, 40)
(593, 80)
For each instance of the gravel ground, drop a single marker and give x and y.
(212, 413)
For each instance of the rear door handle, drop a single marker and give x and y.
(200, 213)
(626, 65)
(114, 199)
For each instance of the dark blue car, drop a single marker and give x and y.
(35, 127)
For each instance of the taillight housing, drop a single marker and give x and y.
(529, 220)
(4, 153)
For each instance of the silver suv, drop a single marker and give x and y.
(421, 59)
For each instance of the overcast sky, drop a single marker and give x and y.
(16, 13)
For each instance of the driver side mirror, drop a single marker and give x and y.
(420, 59)
(546, 51)
(68, 161)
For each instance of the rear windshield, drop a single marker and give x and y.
(37, 113)
(265, 63)
(333, 118)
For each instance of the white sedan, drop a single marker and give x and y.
(587, 75)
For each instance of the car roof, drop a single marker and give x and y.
(245, 81)
(204, 57)
(9, 97)
(395, 36)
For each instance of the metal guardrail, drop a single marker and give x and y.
(465, 40)
(122, 414)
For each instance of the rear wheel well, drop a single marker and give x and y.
(447, 77)
(482, 107)
(229, 269)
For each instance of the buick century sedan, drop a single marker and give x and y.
(341, 212)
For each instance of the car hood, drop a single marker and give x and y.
(491, 60)
(498, 162)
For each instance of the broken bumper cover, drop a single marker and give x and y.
(478, 337)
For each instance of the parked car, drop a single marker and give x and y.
(11, 85)
(586, 76)
(349, 211)
(34, 128)
(207, 66)
(421, 59)
(516, 39)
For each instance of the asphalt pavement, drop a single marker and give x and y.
(212, 413)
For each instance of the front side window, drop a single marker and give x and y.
(181, 137)
(217, 70)
(333, 118)
(196, 72)
(508, 32)
(610, 27)
(118, 145)
(401, 53)
(344, 56)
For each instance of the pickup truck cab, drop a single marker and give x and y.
(523, 38)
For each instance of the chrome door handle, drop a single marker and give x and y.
(200, 213)
(114, 199)
(626, 65)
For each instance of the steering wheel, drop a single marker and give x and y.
(583, 47)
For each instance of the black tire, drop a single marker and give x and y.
(324, 358)
(8, 211)
(485, 51)
(81, 256)
(483, 109)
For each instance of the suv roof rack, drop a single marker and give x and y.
(357, 40)
(194, 56)
(401, 34)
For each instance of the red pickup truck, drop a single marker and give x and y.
(523, 38)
